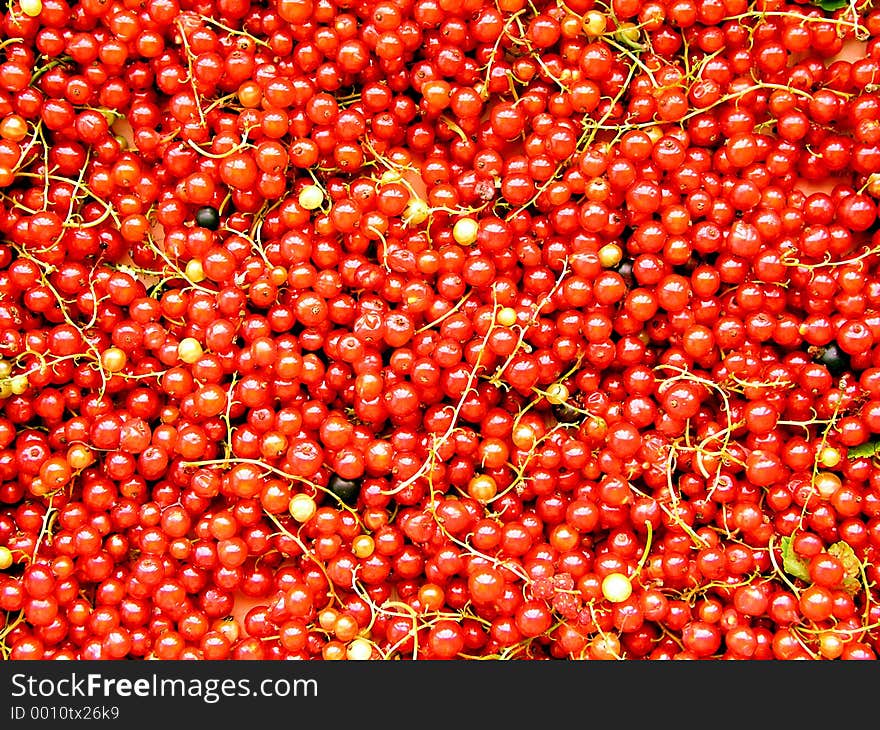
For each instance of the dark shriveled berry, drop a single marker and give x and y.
(208, 217)
(835, 359)
(625, 269)
(345, 489)
(566, 413)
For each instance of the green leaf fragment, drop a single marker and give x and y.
(841, 550)
(831, 4)
(791, 563)
(797, 567)
(871, 448)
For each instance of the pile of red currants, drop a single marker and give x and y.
(439, 329)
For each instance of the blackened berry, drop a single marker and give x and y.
(345, 489)
(835, 359)
(208, 217)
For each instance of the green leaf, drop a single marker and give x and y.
(841, 550)
(869, 449)
(831, 4)
(791, 563)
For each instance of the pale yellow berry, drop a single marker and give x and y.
(194, 271)
(629, 34)
(506, 316)
(362, 546)
(616, 587)
(32, 8)
(594, 23)
(827, 483)
(5, 558)
(5, 368)
(390, 176)
(359, 650)
(189, 349)
(311, 197)
(557, 393)
(302, 507)
(19, 384)
(113, 359)
(465, 231)
(610, 255)
(5, 388)
(829, 457)
(417, 211)
(654, 133)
